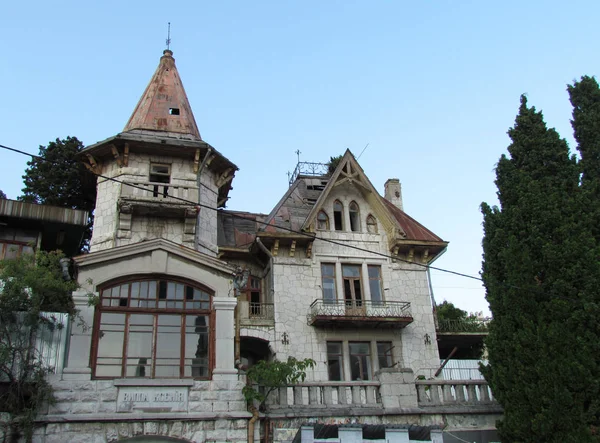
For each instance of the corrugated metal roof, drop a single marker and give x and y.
(32, 211)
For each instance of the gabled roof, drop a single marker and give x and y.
(300, 205)
(164, 105)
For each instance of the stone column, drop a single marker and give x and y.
(398, 389)
(224, 339)
(79, 343)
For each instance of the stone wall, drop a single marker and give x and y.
(107, 217)
(298, 283)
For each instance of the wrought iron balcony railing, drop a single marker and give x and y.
(359, 313)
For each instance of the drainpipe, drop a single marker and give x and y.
(272, 278)
(204, 160)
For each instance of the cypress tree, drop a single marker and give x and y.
(538, 269)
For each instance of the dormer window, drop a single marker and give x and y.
(354, 217)
(322, 221)
(338, 215)
(160, 173)
(371, 225)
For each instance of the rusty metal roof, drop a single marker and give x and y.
(164, 106)
(238, 229)
(413, 229)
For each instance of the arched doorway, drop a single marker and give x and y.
(253, 350)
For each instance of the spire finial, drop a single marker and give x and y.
(168, 36)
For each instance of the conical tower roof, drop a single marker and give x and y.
(164, 106)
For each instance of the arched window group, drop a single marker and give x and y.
(153, 328)
(339, 221)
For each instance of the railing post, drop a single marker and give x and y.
(298, 395)
(312, 395)
(283, 397)
(484, 395)
(472, 393)
(327, 395)
(460, 393)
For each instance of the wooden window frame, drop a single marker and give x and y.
(388, 353)
(326, 220)
(254, 310)
(156, 312)
(380, 279)
(369, 359)
(341, 215)
(340, 357)
(160, 174)
(353, 301)
(354, 215)
(334, 277)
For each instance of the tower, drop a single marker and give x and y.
(173, 180)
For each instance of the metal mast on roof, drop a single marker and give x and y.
(168, 35)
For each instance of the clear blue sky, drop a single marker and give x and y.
(431, 86)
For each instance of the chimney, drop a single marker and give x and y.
(393, 192)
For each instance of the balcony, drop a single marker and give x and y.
(147, 197)
(327, 397)
(256, 314)
(357, 314)
(454, 393)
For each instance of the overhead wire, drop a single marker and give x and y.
(234, 215)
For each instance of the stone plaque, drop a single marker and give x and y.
(152, 399)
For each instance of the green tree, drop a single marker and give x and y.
(540, 270)
(32, 293)
(266, 376)
(2, 195)
(58, 179)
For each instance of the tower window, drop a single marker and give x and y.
(173, 111)
(160, 173)
(354, 217)
(338, 215)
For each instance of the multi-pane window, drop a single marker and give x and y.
(375, 284)
(354, 217)
(153, 329)
(322, 221)
(338, 215)
(384, 354)
(328, 282)
(360, 360)
(335, 360)
(14, 242)
(371, 225)
(352, 285)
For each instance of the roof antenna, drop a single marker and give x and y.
(297, 152)
(168, 42)
(361, 152)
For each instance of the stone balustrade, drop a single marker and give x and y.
(326, 395)
(453, 393)
(159, 192)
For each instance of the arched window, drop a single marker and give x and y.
(322, 221)
(354, 217)
(338, 215)
(153, 328)
(371, 225)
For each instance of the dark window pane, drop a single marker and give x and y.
(357, 292)
(384, 354)
(334, 361)
(347, 291)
